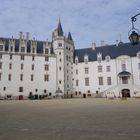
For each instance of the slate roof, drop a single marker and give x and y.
(59, 29)
(17, 45)
(70, 37)
(112, 50)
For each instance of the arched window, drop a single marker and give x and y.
(76, 60)
(99, 57)
(107, 58)
(86, 59)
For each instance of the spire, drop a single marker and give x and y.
(59, 29)
(70, 37)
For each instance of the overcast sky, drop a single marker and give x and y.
(87, 20)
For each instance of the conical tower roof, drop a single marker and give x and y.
(59, 29)
(70, 37)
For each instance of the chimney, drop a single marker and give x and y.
(27, 35)
(93, 46)
(20, 35)
(117, 42)
(102, 43)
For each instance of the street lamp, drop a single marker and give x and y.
(134, 35)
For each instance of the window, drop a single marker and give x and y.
(46, 67)
(32, 77)
(100, 80)
(99, 57)
(60, 81)
(86, 60)
(60, 44)
(22, 57)
(123, 67)
(45, 91)
(76, 60)
(76, 71)
(33, 66)
(1, 47)
(46, 77)
(108, 80)
(67, 58)
(99, 68)
(77, 83)
(138, 65)
(33, 58)
(124, 80)
(86, 81)
(11, 56)
(60, 60)
(0, 56)
(4, 88)
(46, 58)
(21, 66)
(9, 77)
(10, 66)
(0, 76)
(21, 77)
(107, 58)
(59, 68)
(59, 53)
(33, 49)
(67, 78)
(20, 89)
(86, 70)
(108, 68)
(11, 48)
(0, 65)
(22, 49)
(46, 50)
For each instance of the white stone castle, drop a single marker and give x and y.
(31, 68)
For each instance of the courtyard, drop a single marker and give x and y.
(70, 119)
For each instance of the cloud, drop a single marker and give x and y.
(88, 20)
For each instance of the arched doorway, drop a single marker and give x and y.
(125, 93)
(20, 97)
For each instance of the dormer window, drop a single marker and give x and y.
(138, 55)
(107, 58)
(76, 60)
(86, 59)
(99, 57)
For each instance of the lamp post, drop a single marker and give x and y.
(134, 35)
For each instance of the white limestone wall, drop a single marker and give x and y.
(136, 75)
(12, 87)
(93, 76)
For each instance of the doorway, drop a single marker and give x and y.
(20, 97)
(125, 93)
(84, 95)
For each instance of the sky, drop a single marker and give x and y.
(87, 20)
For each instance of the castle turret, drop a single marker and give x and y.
(63, 48)
(70, 37)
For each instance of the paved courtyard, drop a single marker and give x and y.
(70, 119)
